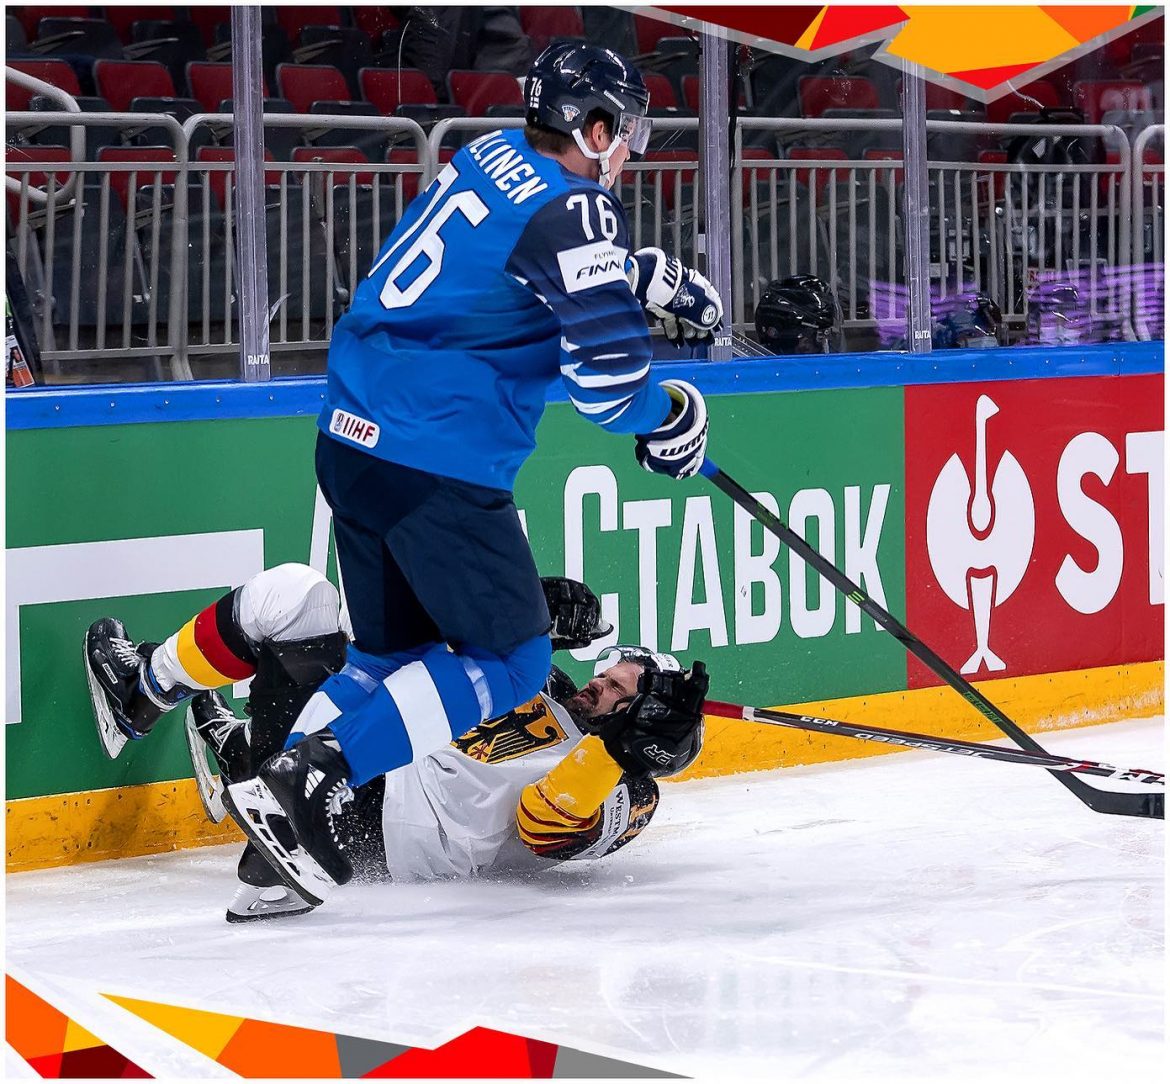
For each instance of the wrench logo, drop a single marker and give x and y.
(980, 536)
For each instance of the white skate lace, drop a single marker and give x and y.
(125, 653)
(339, 794)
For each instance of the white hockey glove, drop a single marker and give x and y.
(685, 303)
(678, 445)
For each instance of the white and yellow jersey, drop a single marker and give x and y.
(512, 793)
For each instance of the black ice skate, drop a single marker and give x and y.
(127, 700)
(211, 725)
(262, 893)
(289, 812)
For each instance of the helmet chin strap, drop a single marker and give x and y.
(600, 157)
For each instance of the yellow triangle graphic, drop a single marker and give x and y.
(77, 1038)
(207, 1032)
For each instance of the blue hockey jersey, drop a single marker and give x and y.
(506, 271)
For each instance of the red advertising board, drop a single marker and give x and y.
(1034, 524)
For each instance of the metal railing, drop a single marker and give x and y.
(1148, 225)
(138, 261)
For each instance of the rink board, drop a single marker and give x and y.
(874, 459)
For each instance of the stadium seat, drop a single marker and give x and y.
(649, 31)
(304, 84)
(690, 89)
(427, 116)
(940, 97)
(375, 21)
(674, 180)
(544, 25)
(662, 94)
(180, 109)
(346, 48)
(122, 18)
(211, 83)
(280, 141)
(410, 157)
(340, 156)
(823, 173)
(218, 179)
(172, 44)
(30, 16)
(1095, 97)
(817, 94)
(96, 135)
(293, 18)
(121, 81)
(1030, 99)
(208, 18)
(881, 154)
(15, 39)
(55, 72)
(371, 141)
(151, 158)
(388, 88)
(89, 37)
(14, 153)
(475, 91)
(610, 28)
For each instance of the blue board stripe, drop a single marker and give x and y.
(129, 404)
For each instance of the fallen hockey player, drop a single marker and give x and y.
(569, 774)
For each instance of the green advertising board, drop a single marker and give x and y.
(151, 522)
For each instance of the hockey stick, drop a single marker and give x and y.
(1150, 804)
(928, 741)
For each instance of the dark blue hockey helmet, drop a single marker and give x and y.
(570, 80)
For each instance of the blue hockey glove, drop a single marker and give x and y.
(678, 445)
(685, 303)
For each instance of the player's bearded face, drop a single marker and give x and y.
(602, 694)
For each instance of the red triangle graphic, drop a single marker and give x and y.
(844, 23)
(992, 77)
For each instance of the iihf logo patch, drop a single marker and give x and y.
(351, 427)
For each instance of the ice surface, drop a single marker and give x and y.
(915, 915)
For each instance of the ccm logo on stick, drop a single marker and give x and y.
(351, 427)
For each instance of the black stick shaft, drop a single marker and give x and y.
(911, 740)
(1133, 805)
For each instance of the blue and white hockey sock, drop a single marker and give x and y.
(433, 698)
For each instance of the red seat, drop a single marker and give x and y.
(1029, 99)
(31, 16)
(374, 21)
(56, 72)
(151, 159)
(293, 18)
(410, 158)
(37, 179)
(881, 154)
(212, 83)
(668, 174)
(690, 89)
(388, 88)
(121, 81)
(817, 154)
(661, 92)
(304, 84)
(545, 24)
(218, 179)
(817, 94)
(207, 18)
(476, 92)
(750, 155)
(940, 97)
(1096, 97)
(649, 31)
(123, 18)
(340, 155)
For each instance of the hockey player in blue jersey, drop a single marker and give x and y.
(511, 269)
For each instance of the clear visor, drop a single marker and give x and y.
(634, 131)
(611, 656)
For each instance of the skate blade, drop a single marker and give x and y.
(250, 804)
(260, 908)
(111, 737)
(210, 786)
